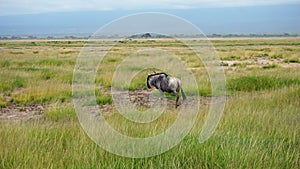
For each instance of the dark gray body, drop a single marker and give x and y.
(165, 83)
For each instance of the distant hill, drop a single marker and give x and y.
(148, 35)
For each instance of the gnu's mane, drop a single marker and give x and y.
(154, 74)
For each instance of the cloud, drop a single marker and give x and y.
(11, 7)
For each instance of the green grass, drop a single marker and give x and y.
(243, 139)
(51, 62)
(259, 127)
(12, 84)
(44, 94)
(104, 100)
(60, 113)
(47, 74)
(256, 83)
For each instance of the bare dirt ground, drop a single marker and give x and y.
(259, 62)
(141, 99)
(21, 113)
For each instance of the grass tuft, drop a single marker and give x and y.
(104, 100)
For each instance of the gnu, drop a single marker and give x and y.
(165, 83)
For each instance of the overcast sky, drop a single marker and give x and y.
(14, 7)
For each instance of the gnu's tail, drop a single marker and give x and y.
(183, 95)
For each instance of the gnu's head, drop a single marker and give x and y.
(149, 79)
(153, 76)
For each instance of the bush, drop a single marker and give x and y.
(277, 56)
(292, 60)
(16, 53)
(269, 66)
(242, 65)
(223, 64)
(232, 57)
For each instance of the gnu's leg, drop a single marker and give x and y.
(161, 94)
(183, 95)
(177, 98)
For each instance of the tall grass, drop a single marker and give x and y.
(259, 127)
(248, 136)
(44, 92)
(255, 83)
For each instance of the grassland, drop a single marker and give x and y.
(259, 129)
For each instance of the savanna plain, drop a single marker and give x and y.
(260, 126)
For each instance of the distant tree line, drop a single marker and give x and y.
(148, 35)
(254, 35)
(41, 37)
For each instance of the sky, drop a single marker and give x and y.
(15, 7)
(73, 17)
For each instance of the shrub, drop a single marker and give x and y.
(242, 65)
(16, 53)
(68, 52)
(292, 60)
(223, 64)
(271, 66)
(277, 56)
(232, 57)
